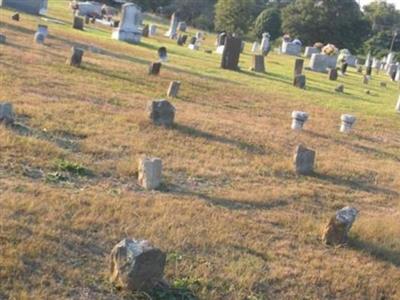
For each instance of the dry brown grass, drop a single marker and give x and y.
(232, 214)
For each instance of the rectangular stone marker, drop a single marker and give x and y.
(155, 68)
(290, 48)
(298, 66)
(304, 160)
(173, 89)
(320, 62)
(150, 170)
(300, 81)
(231, 53)
(6, 113)
(76, 57)
(78, 23)
(258, 63)
(310, 51)
(332, 74)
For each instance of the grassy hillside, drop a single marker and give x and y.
(235, 220)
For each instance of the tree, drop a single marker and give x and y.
(269, 21)
(382, 15)
(328, 21)
(234, 16)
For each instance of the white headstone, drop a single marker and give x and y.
(299, 118)
(150, 170)
(152, 30)
(265, 43)
(398, 105)
(321, 62)
(347, 123)
(173, 27)
(129, 27)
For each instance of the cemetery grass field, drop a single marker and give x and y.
(232, 215)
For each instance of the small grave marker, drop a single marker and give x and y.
(304, 160)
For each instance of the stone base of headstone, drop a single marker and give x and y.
(300, 81)
(258, 64)
(339, 88)
(2, 39)
(76, 57)
(155, 68)
(161, 112)
(173, 89)
(150, 172)
(137, 266)
(6, 113)
(304, 160)
(39, 38)
(78, 23)
(337, 230)
(126, 36)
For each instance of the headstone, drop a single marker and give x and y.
(182, 26)
(39, 38)
(397, 77)
(310, 51)
(162, 54)
(265, 44)
(337, 230)
(255, 48)
(343, 68)
(392, 70)
(299, 118)
(150, 171)
(221, 39)
(76, 57)
(173, 89)
(2, 39)
(15, 17)
(332, 74)
(161, 113)
(300, 81)
(390, 59)
(6, 113)
(298, 66)
(347, 123)
(398, 105)
(339, 88)
(193, 45)
(321, 62)
(258, 63)
(359, 69)
(172, 31)
(376, 64)
(181, 40)
(145, 31)
(199, 35)
(368, 71)
(43, 29)
(304, 160)
(365, 79)
(290, 48)
(129, 27)
(231, 54)
(155, 68)
(136, 266)
(152, 30)
(78, 23)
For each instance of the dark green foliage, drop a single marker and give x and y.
(268, 21)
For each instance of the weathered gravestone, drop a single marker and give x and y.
(193, 44)
(154, 68)
(265, 43)
(149, 173)
(162, 54)
(332, 74)
(299, 118)
(365, 79)
(172, 31)
(76, 57)
(39, 38)
(258, 63)
(231, 53)
(2, 39)
(15, 17)
(145, 30)
(129, 27)
(298, 66)
(161, 112)
(152, 30)
(304, 160)
(339, 88)
(347, 123)
(77, 23)
(300, 81)
(137, 266)
(321, 62)
(181, 39)
(337, 230)
(6, 113)
(173, 89)
(43, 29)
(182, 26)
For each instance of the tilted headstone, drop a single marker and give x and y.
(137, 266)
(347, 123)
(76, 57)
(43, 29)
(152, 30)
(39, 38)
(129, 27)
(145, 31)
(161, 112)
(300, 81)
(299, 118)
(339, 88)
(2, 39)
(6, 113)
(265, 43)
(321, 62)
(298, 66)
(172, 31)
(173, 89)
(15, 17)
(154, 68)
(337, 230)
(332, 74)
(258, 63)
(231, 54)
(78, 23)
(162, 54)
(310, 51)
(150, 171)
(304, 160)
(182, 26)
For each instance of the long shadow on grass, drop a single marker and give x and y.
(193, 132)
(377, 251)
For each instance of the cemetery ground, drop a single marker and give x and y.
(235, 220)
